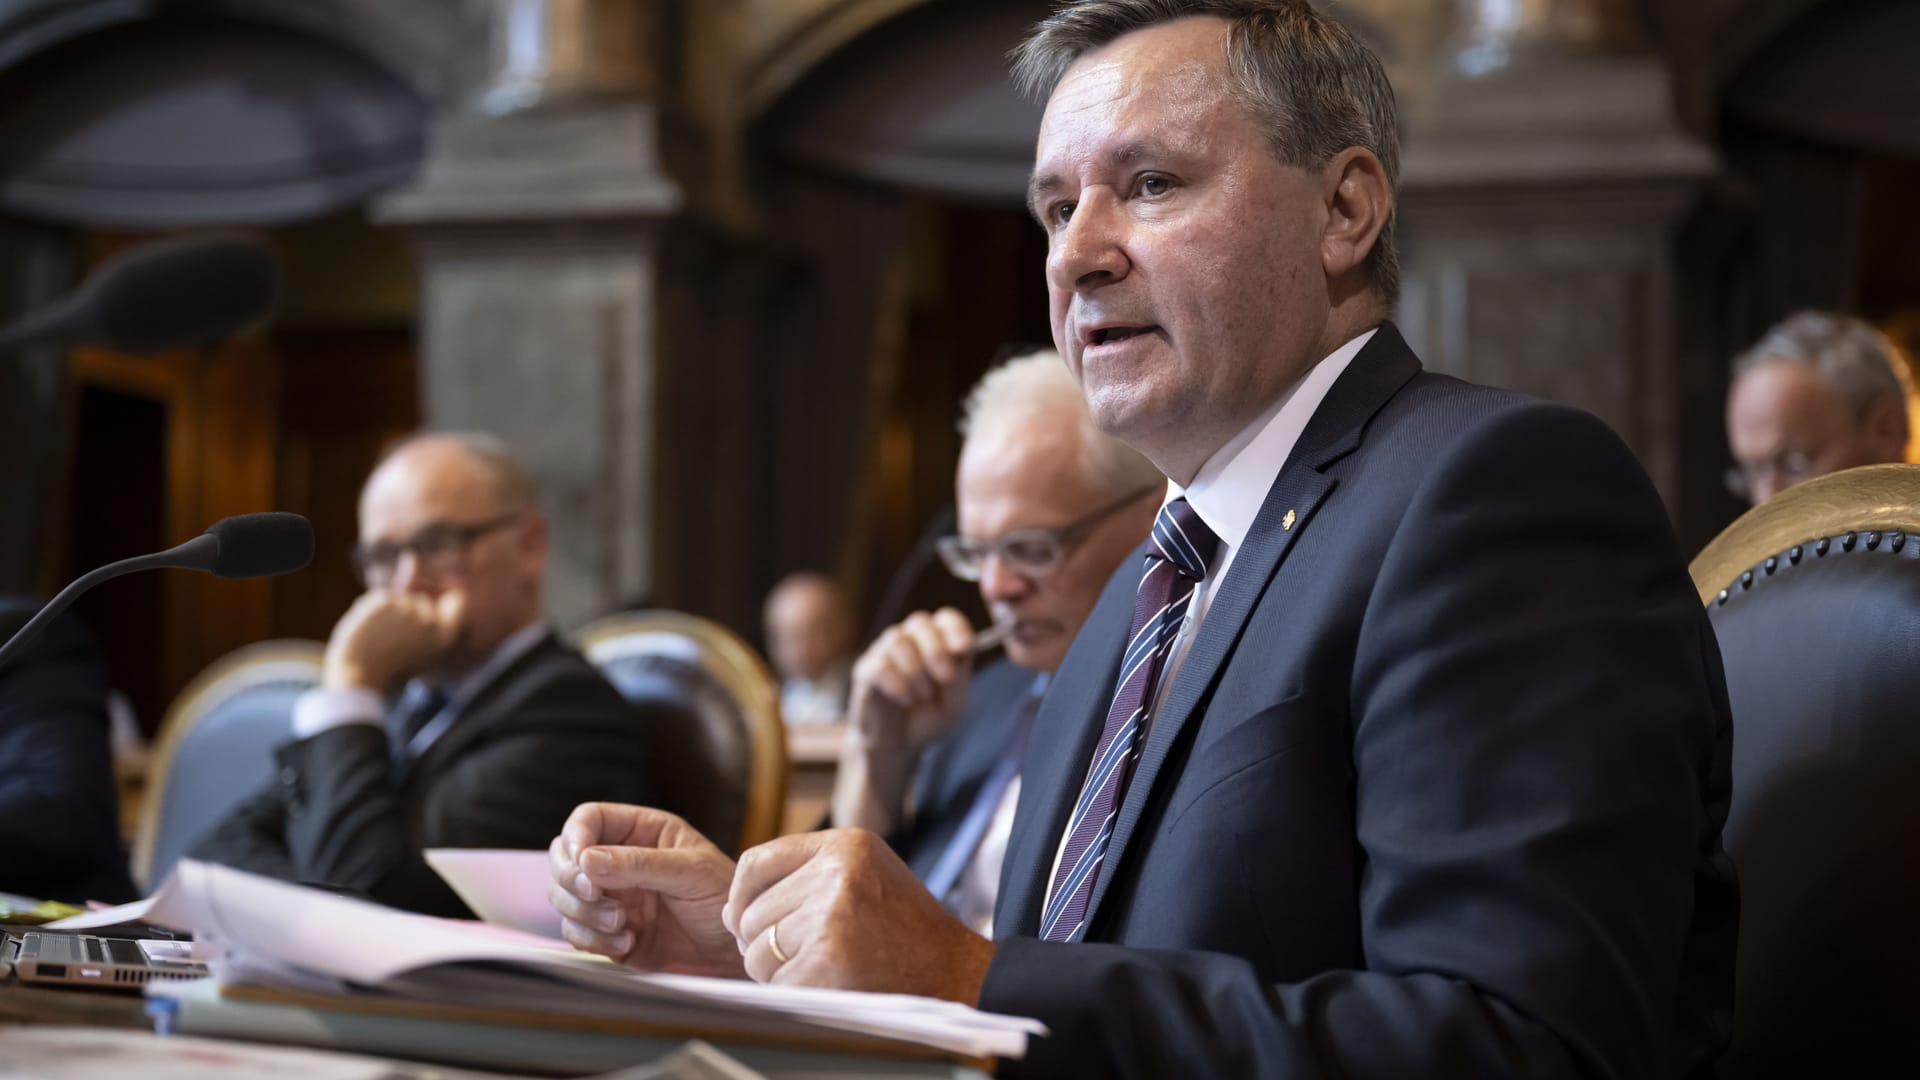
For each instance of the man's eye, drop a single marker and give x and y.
(1155, 185)
(1028, 549)
(1062, 212)
(436, 542)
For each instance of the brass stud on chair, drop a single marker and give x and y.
(1873, 540)
(1847, 541)
(1793, 557)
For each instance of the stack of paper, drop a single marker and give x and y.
(264, 932)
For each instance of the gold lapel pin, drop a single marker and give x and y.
(1286, 523)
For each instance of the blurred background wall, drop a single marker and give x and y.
(722, 269)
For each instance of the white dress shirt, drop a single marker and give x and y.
(973, 896)
(975, 891)
(817, 701)
(323, 708)
(1227, 493)
(1230, 488)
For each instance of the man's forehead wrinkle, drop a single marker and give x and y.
(1102, 98)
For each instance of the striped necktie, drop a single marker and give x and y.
(1177, 562)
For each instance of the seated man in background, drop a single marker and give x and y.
(59, 809)
(1049, 506)
(810, 637)
(1817, 394)
(448, 714)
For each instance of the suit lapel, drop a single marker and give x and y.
(1064, 734)
(476, 714)
(1380, 369)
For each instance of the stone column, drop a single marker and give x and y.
(537, 219)
(1543, 182)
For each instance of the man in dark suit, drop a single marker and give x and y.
(1403, 751)
(1048, 507)
(59, 809)
(448, 714)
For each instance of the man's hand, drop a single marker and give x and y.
(909, 688)
(641, 886)
(849, 914)
(388, 636)
(910, 685)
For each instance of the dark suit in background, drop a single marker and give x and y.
(954, 766)
(1437, 792)
(59, 808)
(545, 735)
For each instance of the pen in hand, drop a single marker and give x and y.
(994, 634)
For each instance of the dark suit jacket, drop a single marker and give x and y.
(545, 735)
(59, 807)
(953, 767)
(1437, 792)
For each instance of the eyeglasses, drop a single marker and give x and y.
(1032, 553)
(1790, 468)
(441, 548)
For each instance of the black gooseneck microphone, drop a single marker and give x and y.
(167, 294)
(246, 546)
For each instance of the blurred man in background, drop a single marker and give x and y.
(810, 636)
(449, 715)
(1817, 394)
(1049, 506)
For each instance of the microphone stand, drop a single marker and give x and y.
(195, 554)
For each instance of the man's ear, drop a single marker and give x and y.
(1359, 202)
(1886, 426)
(535, 537)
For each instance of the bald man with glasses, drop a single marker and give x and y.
(448, 714)
(1048, 508)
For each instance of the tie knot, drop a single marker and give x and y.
(1184, 540)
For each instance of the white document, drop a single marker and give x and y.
(113, 916)
(272, 932)
(505, 888)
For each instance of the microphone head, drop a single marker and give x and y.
(177, 292)
(261, 545)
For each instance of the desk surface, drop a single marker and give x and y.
(813, 757)
(815, 744)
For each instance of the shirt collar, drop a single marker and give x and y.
(1228, 490)
(516, 645)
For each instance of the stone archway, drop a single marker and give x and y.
(127, 117)
(433, 47)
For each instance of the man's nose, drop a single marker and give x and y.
(410, 574)
(1089, 250)
(1000, 582)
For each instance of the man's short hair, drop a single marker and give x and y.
(1032, 388)
(1315, 87)
(1858, 361)
(513, 486)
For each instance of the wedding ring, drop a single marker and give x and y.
(773, 943)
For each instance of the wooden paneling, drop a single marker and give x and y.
(214, 437)
(168, 445)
